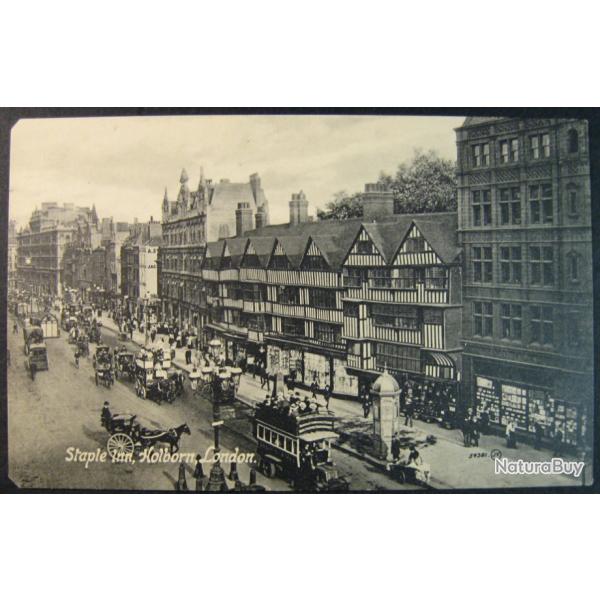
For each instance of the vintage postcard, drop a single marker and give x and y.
(299, 303)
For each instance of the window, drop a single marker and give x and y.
(381, 278)
(481, 155)
(509, 151)
(573, 329)
(321, 298)
(398, 358)
(573, 141)
(572, 199)
(364, 247)
(325, 332)
(539, 146)
(510, 321)
(482, 207)
(293, 327)
(288, 295)
(541, 203)
(483, 319)
(573, 259)
(353, 277)
(280, 261)
(510, 206)
(482, 264)
(415, 245)
(542, 326)
(435, 278)
(350, 309)
(395, 316)
(541, 260)
(251, 261)
(510, 264)
(315, 263)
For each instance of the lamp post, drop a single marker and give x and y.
(216, 479)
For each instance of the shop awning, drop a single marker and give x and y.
(440, 360)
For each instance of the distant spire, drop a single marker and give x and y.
(184, 177)
(166, 197)
(201, 182)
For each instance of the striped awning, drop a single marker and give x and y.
(440, 360)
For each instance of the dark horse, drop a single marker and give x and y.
(170, 436)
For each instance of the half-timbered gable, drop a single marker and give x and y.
(364, 252)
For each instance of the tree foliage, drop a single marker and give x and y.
(426, 183)
(343, 206)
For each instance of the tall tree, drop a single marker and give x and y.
(426, 183)
(343, 206)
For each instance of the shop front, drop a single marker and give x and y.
(530, 402)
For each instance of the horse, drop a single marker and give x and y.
(170, 436)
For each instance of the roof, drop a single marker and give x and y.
(334, 239)
(227, 192)
(473, 121)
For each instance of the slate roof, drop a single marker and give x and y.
(334, 239)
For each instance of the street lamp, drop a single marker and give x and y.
(216, 479)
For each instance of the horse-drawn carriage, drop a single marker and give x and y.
(131, 434)
(68, 321)
(153, 384)
(93, 332)
(103, 366)
(125, 364)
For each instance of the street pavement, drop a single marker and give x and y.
(61, 410)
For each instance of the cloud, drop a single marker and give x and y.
(123, 164)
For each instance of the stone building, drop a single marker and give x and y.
(139, 267)
(525, 227)
(42, 245)
(12, 254)
(209, 213)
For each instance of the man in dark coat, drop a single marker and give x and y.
(327, 395)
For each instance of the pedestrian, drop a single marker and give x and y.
(327, 395)
(558, 442)
(538, 432)
(188, 356)
(366, 404)
(511, 438)
(474, 431)
(15, 327)
(314, 388)
(395, 448)
(198, 471)
(264, 379)
(181, 481)
(153, 334)
(484, 421)
(409, 412)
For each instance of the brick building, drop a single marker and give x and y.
(525, 228)
(211, 212)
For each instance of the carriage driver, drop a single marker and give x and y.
(106, 415)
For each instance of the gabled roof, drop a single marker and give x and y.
(215, 249)
(441, 232)
(236, 247)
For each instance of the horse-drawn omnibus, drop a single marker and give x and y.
(37, 359)
(297, 447)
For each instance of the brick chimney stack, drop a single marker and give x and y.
(260, 217)
(298, 209)
(243, 218)
(377, 201)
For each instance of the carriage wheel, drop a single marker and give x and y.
(120, 445)
(269, 469)
(142, 392)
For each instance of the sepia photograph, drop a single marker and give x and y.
(297, 303)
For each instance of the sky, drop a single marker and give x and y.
(123, 164)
